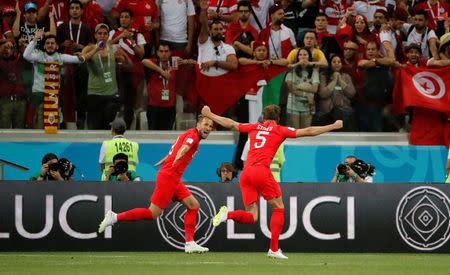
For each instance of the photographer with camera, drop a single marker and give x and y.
(49, 170)
(119, 170)
(354, 170)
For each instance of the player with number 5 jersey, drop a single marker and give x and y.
(170, 187)
(256, 178)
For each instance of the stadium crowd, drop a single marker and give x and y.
(333, 59)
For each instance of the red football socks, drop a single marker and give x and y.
(135, 215)
(276, 225)
(189, 224)
(241, 216)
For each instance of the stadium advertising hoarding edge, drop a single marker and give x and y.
(319, 217)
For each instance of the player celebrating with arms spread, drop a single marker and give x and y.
(256, 178)
(169, 186)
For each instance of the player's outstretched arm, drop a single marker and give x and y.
(224, 121)
(317, 130)
(183, 149)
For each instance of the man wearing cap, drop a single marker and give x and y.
(102, 82)
(29, 29)
(118, 144)
(278, 37)
(414, 52)
(9, 16)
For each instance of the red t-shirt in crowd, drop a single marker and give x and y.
(155, 88)
(265, 138)
(436, 12)
(92, 15)
(143, 11)
(61, 9)
(190, 138)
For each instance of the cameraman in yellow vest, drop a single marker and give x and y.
(118, 144)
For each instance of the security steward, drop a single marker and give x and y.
(118, 144)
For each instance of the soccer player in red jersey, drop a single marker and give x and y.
(256, 178)
(169, 186)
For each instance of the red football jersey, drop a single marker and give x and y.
(265, 140)
(191, 138)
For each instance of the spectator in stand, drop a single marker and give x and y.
(310, 42)
(437, 11)
(260, 57)
(29, 29)
(145, 17)
(350, 65)
(177, 26)
(280, 38)
(326, 42)
(226, 13)
(302, 82)
(376, 93)
(336, 92)
(292, 11)
(161, 90)
(130, 81)
(260, 9)
(13, 101)
(38, 59)
(214, 56)
(73, 36)
(444, 47)
(58, 7)
(385, 31)
(226, 172)
(357, 30)
(103, 100)
(9, 16)
(241, 33)
(413, 53)
(335, 10)
(420, 34)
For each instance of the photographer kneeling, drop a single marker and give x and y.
(119, 170)
(354, 170)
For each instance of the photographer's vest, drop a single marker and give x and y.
(120, 145)
(277, 163)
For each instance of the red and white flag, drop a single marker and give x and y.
(222, 91)
(428, 91)
(422, 87)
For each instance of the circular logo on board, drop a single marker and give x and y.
(429, 84)
(423, 218)
(171, 221)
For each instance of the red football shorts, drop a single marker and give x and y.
(167, 189)
(257, 179)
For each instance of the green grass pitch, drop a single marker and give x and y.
(219, 263)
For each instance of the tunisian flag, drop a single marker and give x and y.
(221, 91)
(428, 91)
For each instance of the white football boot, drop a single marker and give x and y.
(193, 247)
(109, 220)
(276, 255)
(221, 216)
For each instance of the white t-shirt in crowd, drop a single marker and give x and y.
(262, 12)
(276, 37)
(126, 44)
(387, 36)
(106, 5)
(366, 9)
(415, 37)
(208, 51)
(173, 15)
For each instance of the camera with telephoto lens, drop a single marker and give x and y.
(55, 166)
(120, 168)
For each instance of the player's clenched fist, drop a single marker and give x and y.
(338, 124)
(206, 111)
